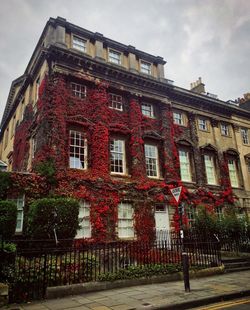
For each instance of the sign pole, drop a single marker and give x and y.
(176, 192)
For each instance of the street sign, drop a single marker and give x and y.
(176, 192)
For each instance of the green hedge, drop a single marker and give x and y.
(48, 213)
(8, 217)
(5, 183)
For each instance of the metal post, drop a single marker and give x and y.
(184, 256)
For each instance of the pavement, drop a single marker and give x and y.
(168, 295)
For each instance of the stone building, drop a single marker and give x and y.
(119, 135)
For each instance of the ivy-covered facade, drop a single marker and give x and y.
(96, 120)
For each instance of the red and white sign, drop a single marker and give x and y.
(176, 192)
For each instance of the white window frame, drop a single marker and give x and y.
(115, 102)
(185, 166)
(224, 129)
(125, 225)
(78, 90)
(115, 57)
(219, 212)
(145, 67)
(178, 118)
(33, 146)
(84, 230)
(191, 212)
(118, 154)
(78, 149)
(152, 160)
(38, 83)
(209, 161)
(79, 44)
(244, 135)
(147, 109)
(233, 172)
(19, 201)
(202, 124)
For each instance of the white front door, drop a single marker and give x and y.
(162, 222)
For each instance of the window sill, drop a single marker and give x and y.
(226, 136)
(181, 125)
(120, 175)
(204, 130)
(78, 169)
(155, 178)
(150, 117)
(117, 110)
(127, 238)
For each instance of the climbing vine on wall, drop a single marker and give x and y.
(58, 111)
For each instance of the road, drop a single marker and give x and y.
(237, 304)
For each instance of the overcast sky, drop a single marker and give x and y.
(207, 38)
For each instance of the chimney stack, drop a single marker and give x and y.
(198, 87)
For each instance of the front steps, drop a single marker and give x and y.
(236, 264)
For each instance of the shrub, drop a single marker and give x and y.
(5, 183)
(8, 217)
(48, 213)
(135, 272)
(47, 169)
(206, 223)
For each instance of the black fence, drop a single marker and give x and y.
(38, 267)
(235, 243)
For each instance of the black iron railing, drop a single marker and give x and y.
(37, 268)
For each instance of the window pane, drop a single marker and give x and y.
(117, 156)
(147, 109)
(79, 44)
(185, 168)
(115, 57)
(125, 220)
(210, 169)
(78, 90)
(84, 220)
(20, 209)
(77, 150)
(115, 102)
(244, 135)
(232, 167)
(152, 164)
(145, 67)
(178, 119)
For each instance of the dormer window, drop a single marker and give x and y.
(147, 109)
(78, 90)
(115, 57)
(145, 67)
(79, 44)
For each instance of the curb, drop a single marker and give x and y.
(202, 301)
(75, 289)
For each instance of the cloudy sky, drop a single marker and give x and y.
(207, 38)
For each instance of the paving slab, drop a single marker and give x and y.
(169, 295)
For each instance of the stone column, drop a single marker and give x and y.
(99, 46)
(199, 171)
(60, 35)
